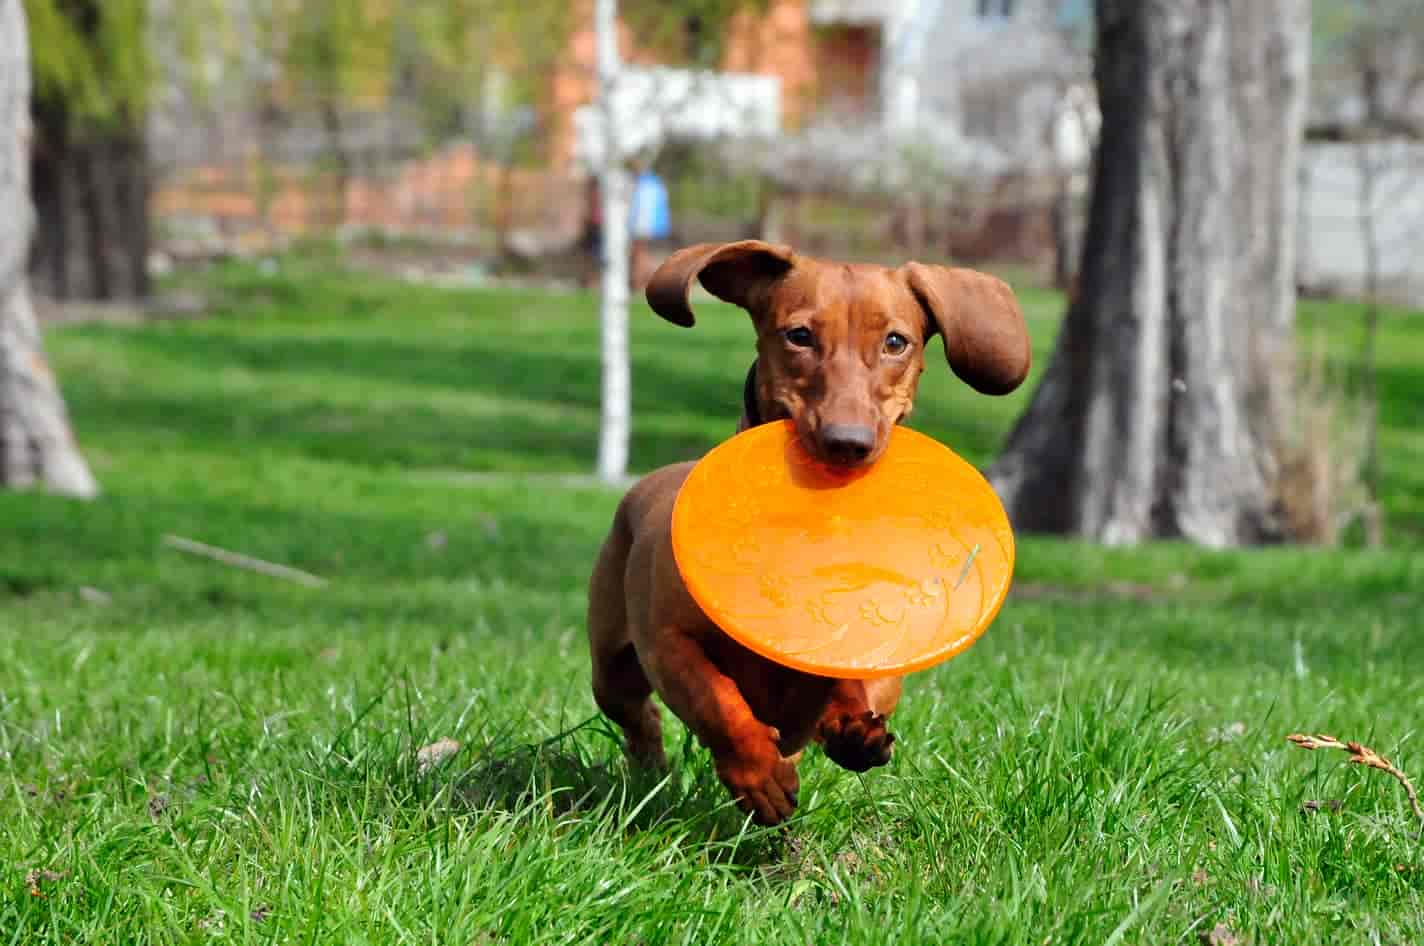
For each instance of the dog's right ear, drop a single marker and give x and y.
(738, 273)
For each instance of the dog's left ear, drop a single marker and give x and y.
(733, 272)
(985, 338)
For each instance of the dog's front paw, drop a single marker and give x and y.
(857, 742)
(760, 779)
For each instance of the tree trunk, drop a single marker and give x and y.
(333, 125)
(36, 446)
(1064, 256)
(50, 186)
(1368, 168)
(98, 217)
(615, 185)
(91, 189)
(133, 191)
(1160, 413)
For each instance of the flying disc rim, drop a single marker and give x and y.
(903, 440)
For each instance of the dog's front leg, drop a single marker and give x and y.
(854, 731)
(746, 752)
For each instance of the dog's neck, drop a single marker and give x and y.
(751, 414)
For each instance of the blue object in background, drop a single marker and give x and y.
(650, 208)
(1075, 17)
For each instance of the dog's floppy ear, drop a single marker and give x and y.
(733, 272)
(985, 338)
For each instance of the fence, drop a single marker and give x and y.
(502, 179)
(1355, 194)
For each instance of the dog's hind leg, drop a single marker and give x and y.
(620, 687)
(624, 694)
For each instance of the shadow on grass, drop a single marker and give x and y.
(560, 778)
(543, 399)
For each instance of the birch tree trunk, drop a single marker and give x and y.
(1161, 410)
(36, 447)
(615, 192)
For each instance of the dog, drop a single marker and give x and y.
(840, 349)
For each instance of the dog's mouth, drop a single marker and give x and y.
(842, 456)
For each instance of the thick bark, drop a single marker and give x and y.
(1160, 410)
(53, 197)
(99, 217)
(133, 220)
(91, 189)
(36, 447)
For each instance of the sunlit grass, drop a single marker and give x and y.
(193, 753)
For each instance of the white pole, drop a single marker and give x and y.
(615, 192)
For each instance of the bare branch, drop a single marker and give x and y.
(238, 560)
(1362, 755)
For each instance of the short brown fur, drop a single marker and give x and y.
(829, 358)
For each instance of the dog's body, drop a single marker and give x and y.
(839, 352)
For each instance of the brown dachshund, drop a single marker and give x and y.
(840, 348)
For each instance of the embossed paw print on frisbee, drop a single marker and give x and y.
(868, 573)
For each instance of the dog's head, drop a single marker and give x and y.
(840, 347)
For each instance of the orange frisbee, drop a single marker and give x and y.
(871, 573)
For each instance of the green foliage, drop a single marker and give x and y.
(210, 755)
(460, 56)
(92, 57)
(689, 30)
(338, 51)
(1347, 32)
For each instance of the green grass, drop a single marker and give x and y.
(214, 756)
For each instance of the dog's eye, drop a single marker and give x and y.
(800, 336)
(895, 343)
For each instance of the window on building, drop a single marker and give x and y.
(996, 9)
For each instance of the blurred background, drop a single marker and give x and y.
(553, 147)
(466, 128)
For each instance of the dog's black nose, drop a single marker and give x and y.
(847, 443)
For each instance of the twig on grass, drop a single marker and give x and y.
(1363, 755)
(238, 560)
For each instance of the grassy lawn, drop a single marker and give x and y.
(191, 753)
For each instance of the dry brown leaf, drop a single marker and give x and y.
(434, 754)
(1219, 935)
(1329, 804)
(37, 878)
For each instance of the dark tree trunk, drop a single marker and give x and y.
(36, 446)
(133, 219)
(1160, 411)
(98, 218)
(1065, 251)
(91, 191)
(340, 162)
(90, 185)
